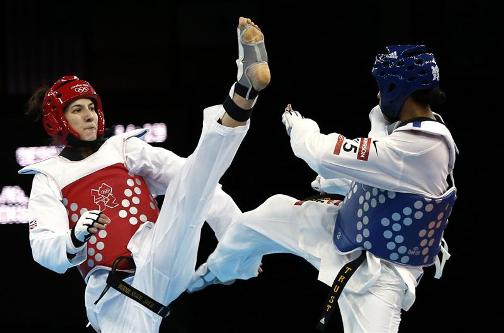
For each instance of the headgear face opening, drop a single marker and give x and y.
(402, 71)
(66, 90)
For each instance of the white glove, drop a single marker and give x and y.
(339, 186)
(87, 220)
(289, 117)
(316, 184)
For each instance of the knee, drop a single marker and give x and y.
(278, 202)
(276, 206)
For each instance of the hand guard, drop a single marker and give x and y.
(289, 117)
(316, 184)
(339, 186)
(81, 229)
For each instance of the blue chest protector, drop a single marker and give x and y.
(403, 228)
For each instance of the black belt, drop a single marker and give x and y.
(339, 283)
(115, 280)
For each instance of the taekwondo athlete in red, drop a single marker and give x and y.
(94, 202)
(396, 206)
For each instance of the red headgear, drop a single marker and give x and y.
(66, 90)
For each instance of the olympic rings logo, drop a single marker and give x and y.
(80, 89)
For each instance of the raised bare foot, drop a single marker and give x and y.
(253, 69)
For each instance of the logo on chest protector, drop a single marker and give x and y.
(103, 197)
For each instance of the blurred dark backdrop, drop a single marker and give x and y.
(163, 61)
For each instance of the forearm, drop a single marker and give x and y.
(306, 142)
(50, 238)
(50, 250)
(334, 156)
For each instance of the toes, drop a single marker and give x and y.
(243, 21)
(252, 35)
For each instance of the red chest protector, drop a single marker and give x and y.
(124, 198)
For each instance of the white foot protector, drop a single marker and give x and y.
(204, 278)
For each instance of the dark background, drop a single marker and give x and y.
(155, 61)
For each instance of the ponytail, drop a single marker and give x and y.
(34, 105)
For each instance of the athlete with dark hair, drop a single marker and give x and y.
(93, 207)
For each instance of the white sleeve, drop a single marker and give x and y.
(156, 165)
(49, 229)
(376, 162)
(342, 185)
(223, 211)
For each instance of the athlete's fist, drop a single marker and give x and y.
(316, 184)
(289, 117)
(89, 223)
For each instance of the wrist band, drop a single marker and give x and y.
(76, 242)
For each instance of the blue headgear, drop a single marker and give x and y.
(402, 71)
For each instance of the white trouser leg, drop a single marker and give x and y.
(171, 256)
(278, 226)
(267, 229)
(240, 252)
(376, 311)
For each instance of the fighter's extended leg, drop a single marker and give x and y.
(238, 256)
(267, 229)
(166, 256)
(203, 278)
(253, 73)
